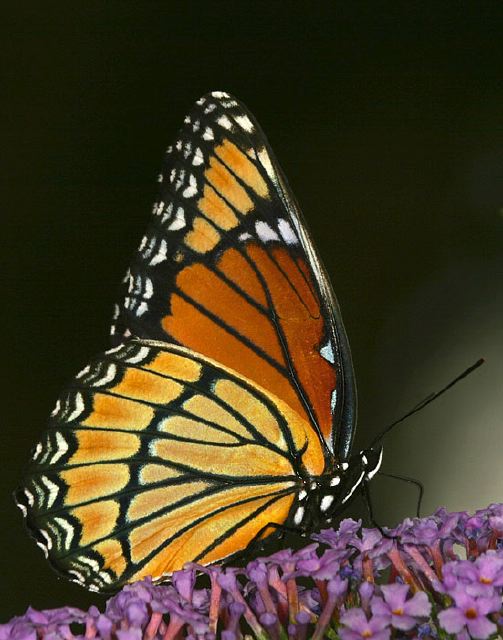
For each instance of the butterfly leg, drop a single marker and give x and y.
(413, 481)
(368, 502)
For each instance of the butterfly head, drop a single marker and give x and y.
(371, 459)
(329, 494)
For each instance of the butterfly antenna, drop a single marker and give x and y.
(427, 400)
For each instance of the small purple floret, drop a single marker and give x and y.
(357, 626)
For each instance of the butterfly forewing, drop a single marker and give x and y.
(227, 269)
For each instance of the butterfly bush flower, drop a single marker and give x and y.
(436, 577)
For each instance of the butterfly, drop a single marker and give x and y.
(226, 408)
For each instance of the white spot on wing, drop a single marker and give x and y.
(265, 161)
(224, 122)
(38, 451)
(105, 577)
(327, 352)
(114, 349)
(46, 537)
(149, 288)
(219, 94)
(141, 309)
(108, 377)
(78, 577)
(68, 529)
(198, 157)
(161, 254)
(79, 407)
(29, 497)
(156, 210)
(208, 134)
(187, 149)
(265, 232)
(333, 401)
(138, 357)
(178, 220)
(44, 548)
(286, 231)
(94, 564)
(244, 122)
(56, 409)
(62, 448)
(181, 178)
(335, 481)
(52, 490)
(191, 190)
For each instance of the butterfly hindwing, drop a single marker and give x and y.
(227, 269)
(153, 458)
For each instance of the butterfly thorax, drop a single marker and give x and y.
(327, 495)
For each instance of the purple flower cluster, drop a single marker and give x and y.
(434, 577)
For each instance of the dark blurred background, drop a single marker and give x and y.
(387, 120)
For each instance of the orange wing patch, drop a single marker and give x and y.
(175, 366)
(152, 473)
(111, 412)
(99, 446)
(237, 269)
(240, 165)
(217, 343)
(222, 180)
(148, 502)
(227, 323)
(302, 324)
(97, 520)
(245, 460)
(144, 540)
(219, 299)
(93, 482)
(141, 385)
(188, 428)
(276, 512)
(217, 210)
(113, 558)
(203, 237)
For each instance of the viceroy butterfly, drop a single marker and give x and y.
(227, 403)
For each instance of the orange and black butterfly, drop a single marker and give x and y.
(226, 408)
